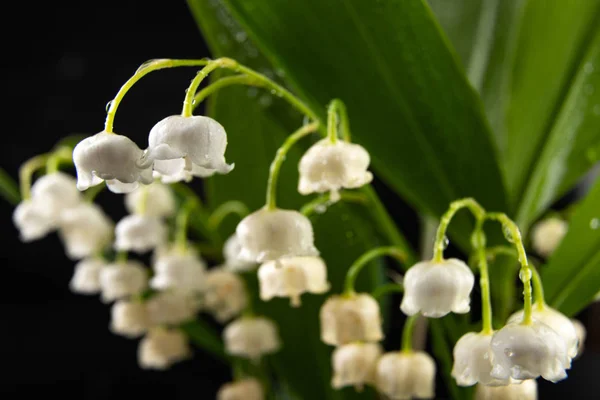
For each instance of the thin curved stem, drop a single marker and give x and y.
(538, 288)
(363, 260)
(91, 193)
(271, 202)
(183, 217)
(332, 123)
(26, 173)
(230, 207)
(316, 205)
(223, 83)
(388, 288)
(337, 121)
(203, 73)
(407, 333)
(478, 241)
(61, 154)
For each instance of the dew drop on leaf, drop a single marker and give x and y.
(595, 223)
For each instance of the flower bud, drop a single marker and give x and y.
(85, 230)
(139, 233)
(175, 268)
(290, 277)
(86, 278)
(244, 389)
(33, 220)
(350, 318)
(267, 235)
(231, 253)
(129, 318)
(528, 351)
(251, 337)
(406, 375)
(225, 294)
(154, 200)
(472, 361)
(122, 279)
(354, 364)
(172, 307)
(437, 288)
(161, 348)
(547, 234)
(111, 158)
(526, 390)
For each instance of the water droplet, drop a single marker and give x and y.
(486, 356)
(265, 100)
(320, 209)
(108, 105)
(445, 242)
(525, 275)
(305, 120)
(596, 109)
(508, 234)
(241, 36)
(280, 72)
(252, 92)
(273, 91)
(588, 68)
(508, 352)
(595, 223)
(193, 101)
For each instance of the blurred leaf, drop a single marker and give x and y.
(572, 275)
(9, 188)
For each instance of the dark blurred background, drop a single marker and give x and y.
(61, 63)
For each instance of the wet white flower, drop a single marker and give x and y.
(32, 219)
(122, 279)
(111, 158)
(406, 375)
(267, 235)
(57, 190)
(527, 390)
(129, 318)
(86, 278)
(328, 166)
(155, 200)
(290, 277)
(437, 288)
(244, 389)
(183, 146)
(528, 351)
(354, 364)
(472, 361)
(161, 348)
(251, 337)
(231, 252)
(225, 294)
(176, 268)
(547, 234)
(139, 233)
(581, 334)
(350, 318)
(85, 230)
(172, 307)
(555, 320)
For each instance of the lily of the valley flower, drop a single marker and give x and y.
(354, 364)
(139, 233)
(85, 230)
(403, 375)
(129, 318)
(472, 361)
(111, 158)
(176, 268)
(526, 390)
(267, 235)
(244, 389)
(154, 200)
(231, 252)
(183, 146)
(86, 278)
(251, 337)
(172, 307)
(32, 219)
(547, 234)
(161, 348)
(437, 288)
(225, 294)
(122, 279)
(292, 276)
(350, 318)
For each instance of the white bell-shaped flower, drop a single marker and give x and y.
(182, 146)
(139, 233)
(129, 318)
(244, 389)
(267, 235)
(58, 191)
(528, 351)
(231, 252)
(86, 278)
(122, 279)
(472, 361)
(403, 375)
(251, 337)
(290, 277)
(176, 268)
(328, 166)
(527, 390)
(547, 234)
(111, 158)
(437, 288)
(350, 318)
(154, 200)
(581, 334)
(225, 294)
(32, 219)
(172, 307)
(161, 348)
(354, 364)
(555, 320)
(85, 230)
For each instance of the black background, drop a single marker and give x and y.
(61, 63)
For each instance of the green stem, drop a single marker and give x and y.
(538, 288)
(190, 93)
(336, 112)
(383, 290)
(363, 260)
(143, 70)
(181, 223)
(455, 206)
(56, 157)
(323, 201)
(91, 193)
(513, 235)
(332, 123)
(26, 173)
(225, 209)
(407, 333)
(271, 202)
(121, 256)
(478, 242)
(223, 83)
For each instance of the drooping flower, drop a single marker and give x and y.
(161, 348)
(244, 389)
(437, 288)
(528, 351)
(119, 280)
(33, 220)
(139, 233)
(154, 200)
(292, 276)
(225, 294)
(354, 364)
(251, 337)
(547, 234)
(526, 390)
(267, 235)
(86, 278)
(181, 147)
(350, 318)
(129, 318)
(472, 361)
(111, 158)
(176, 268)
(85, 230)
(328, 166)
(172, 307)
(403, 375)
(231, 252)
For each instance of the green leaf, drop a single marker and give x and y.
(205, 337)
(572, 276)
(9, 188)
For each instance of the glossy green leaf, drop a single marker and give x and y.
(572, 275)
(9, 189)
